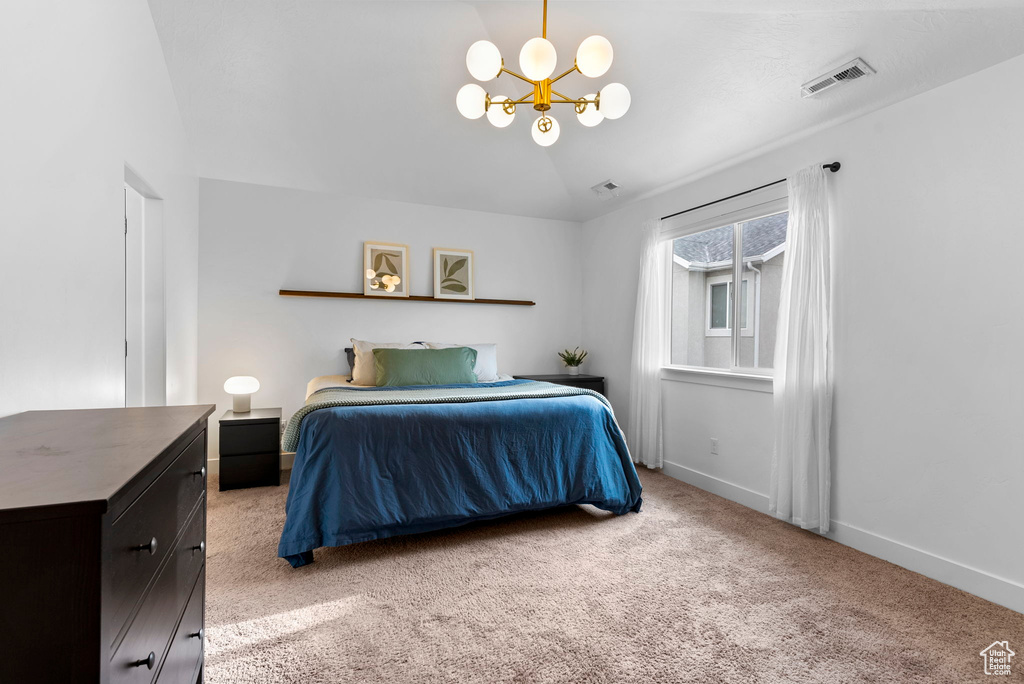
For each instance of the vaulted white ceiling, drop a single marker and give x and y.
(359, 97)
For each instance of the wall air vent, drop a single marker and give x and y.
(836, 77)
(606, 190)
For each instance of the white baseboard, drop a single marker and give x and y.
(726, 490)
(972, 580)
(287, 459)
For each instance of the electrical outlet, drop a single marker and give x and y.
(714, 446)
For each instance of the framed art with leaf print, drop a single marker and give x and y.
(453, 274)
(387, 269)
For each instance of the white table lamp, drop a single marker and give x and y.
(241, 388)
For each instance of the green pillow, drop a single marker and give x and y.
(401, 367)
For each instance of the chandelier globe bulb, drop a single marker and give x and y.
(545, 138)
(496, 112)
(538, 59)
(590, 116)
(483, 60)
(614, 100)
(594, 56)
(471, 101)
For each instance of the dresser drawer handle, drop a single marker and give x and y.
(149, 662)
(201, 548)
(201, 634)
(151, 547)
(201, 472)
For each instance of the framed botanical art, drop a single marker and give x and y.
(387, 269)
(453, 274)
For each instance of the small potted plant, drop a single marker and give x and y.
(573, 359)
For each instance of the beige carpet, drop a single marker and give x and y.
(693, 589)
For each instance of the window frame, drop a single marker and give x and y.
(758, 204)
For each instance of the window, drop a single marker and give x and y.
(707, 308)
(719, 306)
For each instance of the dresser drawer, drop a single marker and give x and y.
(150, 631)
(186, 651)
(158, 514)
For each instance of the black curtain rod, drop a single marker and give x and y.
(833, 167)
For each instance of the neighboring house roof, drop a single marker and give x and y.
(711, 246)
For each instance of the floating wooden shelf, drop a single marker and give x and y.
(411, 298)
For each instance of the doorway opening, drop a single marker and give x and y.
(145, 359)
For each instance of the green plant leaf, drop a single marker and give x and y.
(454, 288)
(378, 260)
(574, 357)
(456, 265)
(445, 271)
(391, 264)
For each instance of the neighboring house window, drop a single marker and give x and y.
(714, 324)
(719, 303)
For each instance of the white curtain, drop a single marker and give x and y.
(800, 481)
(649, 334)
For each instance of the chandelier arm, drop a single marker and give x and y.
(567, 101)
(525, 98)
(564, 97)
(522, 78)
(561, 76)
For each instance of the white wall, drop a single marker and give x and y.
(85, 91)
(256, 240)
(927, 429)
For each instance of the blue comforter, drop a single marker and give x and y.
(371, 471)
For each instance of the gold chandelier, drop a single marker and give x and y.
(538, 60)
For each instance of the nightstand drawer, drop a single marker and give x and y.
(250, 470)
(255, 438)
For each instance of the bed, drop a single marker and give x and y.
(372, 463)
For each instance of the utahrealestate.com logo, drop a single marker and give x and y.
(997, 658)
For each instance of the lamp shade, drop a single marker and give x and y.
(590, 115)
(542, 137)
(240, 387)
(241, 384)
(537, 59)
(483, 60)
(471, 101)
(614, 100)
(496, 113)
(594, 56)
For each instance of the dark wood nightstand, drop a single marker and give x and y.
(250, 449)
(590, 382)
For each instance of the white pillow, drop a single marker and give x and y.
(365, 371)
(486, 367)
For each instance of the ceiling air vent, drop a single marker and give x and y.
(606, 190)
(836, 77)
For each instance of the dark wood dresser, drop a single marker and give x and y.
(103, 545)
